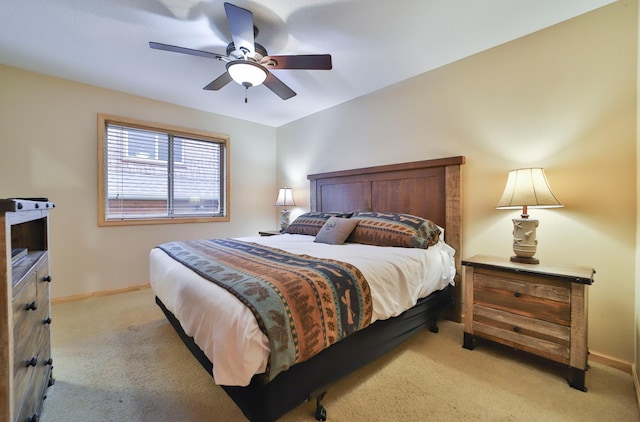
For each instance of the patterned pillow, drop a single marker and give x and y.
(336, 230)
(393, 229)
(310, 223)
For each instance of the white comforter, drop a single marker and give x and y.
(227, 331)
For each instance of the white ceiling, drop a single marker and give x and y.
(373, 43)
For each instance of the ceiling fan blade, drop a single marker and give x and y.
(175, 49)
(278, 87)
(219, 82)
(241, 25)
(304, 61)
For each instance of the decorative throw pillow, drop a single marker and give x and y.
(394, 229)
(336, 230)
(310, 223)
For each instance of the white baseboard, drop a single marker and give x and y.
(611, 361)
(636, 382)
(74, 298)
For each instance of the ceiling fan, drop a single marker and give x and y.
(248, 63)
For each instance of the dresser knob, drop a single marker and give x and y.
(46, 321)
(517, 294)
(517, 329)
(32, 306)
(48, 362)
(33, 361)
(47, 279)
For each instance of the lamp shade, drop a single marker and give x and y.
(246, 73)
(527, 188)
(285, 198)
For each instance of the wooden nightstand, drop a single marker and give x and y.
(540, 309)
(269, 232)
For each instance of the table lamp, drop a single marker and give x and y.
(285, 199)
(527, 187)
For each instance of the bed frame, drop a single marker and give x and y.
(429, 189)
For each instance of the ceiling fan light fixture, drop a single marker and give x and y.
(246, 73)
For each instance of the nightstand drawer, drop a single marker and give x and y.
(543, 338)
(547, 300)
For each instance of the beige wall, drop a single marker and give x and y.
(636, 375)
(563, 99)
(48, 147)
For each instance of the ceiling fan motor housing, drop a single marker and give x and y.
(260, 52)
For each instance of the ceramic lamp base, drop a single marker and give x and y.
(284, 220)
(524, 240)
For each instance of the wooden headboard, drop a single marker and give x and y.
(428, 189)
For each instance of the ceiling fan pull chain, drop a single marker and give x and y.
(246, 90)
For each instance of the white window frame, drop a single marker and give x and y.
(198, 135)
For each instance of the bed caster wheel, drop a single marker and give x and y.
(321, 413)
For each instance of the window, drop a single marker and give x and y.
(150, 173)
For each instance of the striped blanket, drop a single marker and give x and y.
(302, 304)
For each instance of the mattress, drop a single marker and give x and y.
(227, 331)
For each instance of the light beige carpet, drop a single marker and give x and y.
(116, 358)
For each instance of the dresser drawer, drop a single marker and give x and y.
(23, 370)
(535, 297)
(23, 303)
(42, 288)
(42, 375)
(31, 404)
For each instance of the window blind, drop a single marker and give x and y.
(154, 174)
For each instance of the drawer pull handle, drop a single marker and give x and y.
(46, 321)
(48, 362)
(32, 362)
(32, 306)
(47, 279)
(517, 294)
(517, 329)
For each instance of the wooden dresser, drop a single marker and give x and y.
(537, 308)
(25, 346)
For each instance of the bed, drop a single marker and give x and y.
(264, 384)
